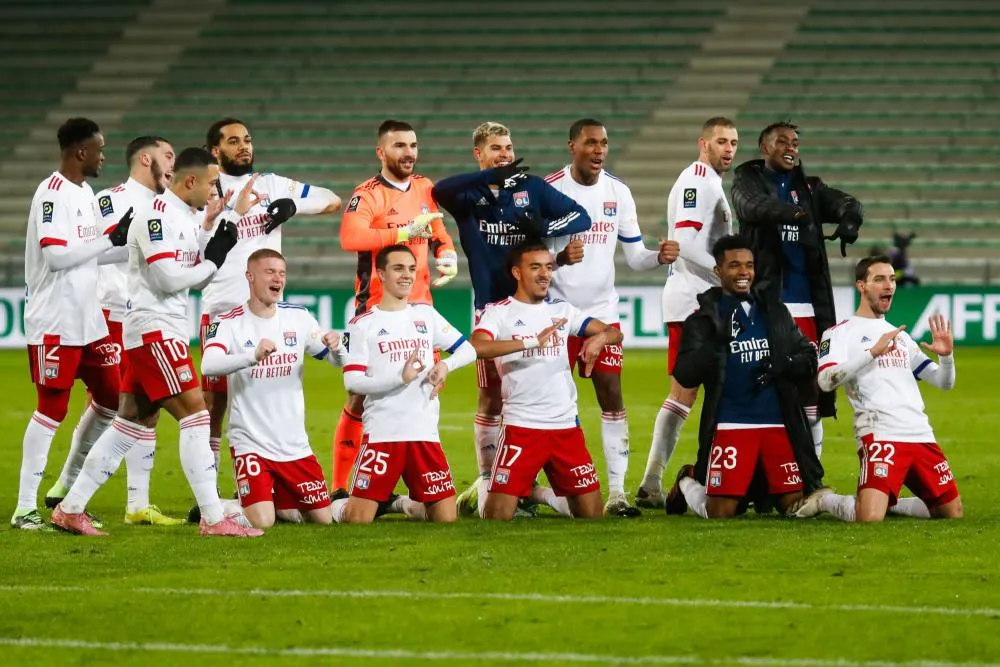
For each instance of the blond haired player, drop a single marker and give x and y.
(698, 215)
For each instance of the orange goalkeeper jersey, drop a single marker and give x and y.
(377, 208)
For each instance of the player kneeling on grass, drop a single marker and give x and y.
(879, 365)
(261, 347)
(526, 335)
(390, 361)
(745, 349)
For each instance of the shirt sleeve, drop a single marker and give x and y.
(356, 342)
(561, 214)
(637, 255)
(314, 337)
(488, 323)
(219, 334)
(576, 321)
(282, 187)
(693, 210)
(54, 221)
(446, 337)
(356, 233)
(941, 373)
(840, 363)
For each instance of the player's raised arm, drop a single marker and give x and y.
(169, 277)
(942, 373)
(560, 215)
(638, 256)
(223, 356)
(357, 234)
(836, 206)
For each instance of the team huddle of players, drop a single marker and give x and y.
(540, 253)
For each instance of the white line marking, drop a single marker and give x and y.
(442, 656)
(513, 597)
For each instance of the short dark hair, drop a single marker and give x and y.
(576, 128)
(214, 134)
(137, 144)
(382, 258)
(781, 124)
(75, 131)
(391, 125)
(529, 244)
(727, 243)
(714, 122)
(193, 158)
(861, 268)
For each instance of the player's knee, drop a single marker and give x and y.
(868, 515)
(490, 403)
(356, 403)
(951, 510)
(323, 515)
(720, 510)
(53, 403)
(359, 512)
(498, 512)
(682, 395)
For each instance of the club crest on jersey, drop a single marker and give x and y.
(521, 199)
(420, 326)
(502, 476)
(690, 197)
(795, 197)
(155, 229)
(362, 481)
(184, 375)
(105, 204)
(610, 208)
(213, 329)
(824, 348)
(47, 209)
(353, 206)
(291, 339)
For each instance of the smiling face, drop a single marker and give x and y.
(878, 288)
(397, 151)
(399, 273)
(781, 149)
(736, 272)
(534, 275)
(495, 151)
(267, 279)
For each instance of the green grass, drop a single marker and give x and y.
(654, 590)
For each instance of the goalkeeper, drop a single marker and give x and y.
(393, 207)
(782, 213)
(496, 208)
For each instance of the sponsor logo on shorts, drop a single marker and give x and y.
(291, 338)
(112, 353)
(945, 471)
(502, 476)
(881, 470)
(715, 479)
(244, 489)
(362, 481)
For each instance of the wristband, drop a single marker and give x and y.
(530, 343)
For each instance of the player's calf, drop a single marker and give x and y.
(586, 506)
(502, 506)
(721, 507)
(261, 515)
(949, 510)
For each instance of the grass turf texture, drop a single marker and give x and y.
(666, 590)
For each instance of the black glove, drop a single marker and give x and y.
(769, 370)
(850, 220)
(508, 176)
(529, 223)
(221, 243)
(119, 235)
(279, 212)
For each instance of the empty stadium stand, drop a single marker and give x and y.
(898, 102)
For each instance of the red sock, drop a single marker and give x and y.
(346, 444)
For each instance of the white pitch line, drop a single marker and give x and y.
(514, 597)
(463, 656)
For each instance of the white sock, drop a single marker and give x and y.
(412, 509)
(914, 507)
(839, 506)
(666, 431)
(199, 466)
(486, 429)
(138, 470)
(545, 495)
(102, 462)
(614, 438)
(34, 454)
(695, 495)
(339, 506)
(93, 422)
(216, 445)
(483, 484)
(816, 426)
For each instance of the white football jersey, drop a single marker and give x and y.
(884, 395)
(378, 344)
(229, 288)
(590, 284)
(63, 303)
(267, 410)
(112, 279)
(698, 215)
(165, 231)
(537, 384)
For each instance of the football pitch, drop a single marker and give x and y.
(758, 590)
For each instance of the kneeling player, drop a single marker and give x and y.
(527, 334)
(261, 347)
(745, 349)
(390, 362)
(879, 365)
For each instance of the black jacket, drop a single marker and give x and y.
(762, 213)
(702, 361)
